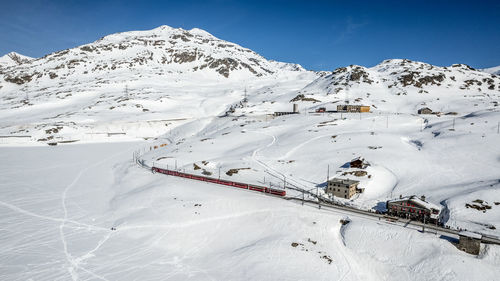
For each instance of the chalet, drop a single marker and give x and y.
(353, 108)
(343, 188)
(415, 208)
(425, 110)
(358, 163)
(469, 242)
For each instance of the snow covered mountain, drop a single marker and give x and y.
(407, 85)
(157, 74)
(13, 59)
(162, 50)
(492, 70)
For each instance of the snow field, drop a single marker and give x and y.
(60, 204)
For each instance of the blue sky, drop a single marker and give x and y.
(320, 35)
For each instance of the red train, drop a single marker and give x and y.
(223, 182)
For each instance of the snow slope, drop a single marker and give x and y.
(492, 70)
(60, 204)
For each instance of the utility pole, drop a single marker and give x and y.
(176, 164)
(284, 182)
(219, 173)
(453, 123)
(317, 195)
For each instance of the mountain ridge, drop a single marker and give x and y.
(169, 72)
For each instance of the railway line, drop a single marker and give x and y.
(487, 239)
(320, 202)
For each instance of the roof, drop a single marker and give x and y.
(359, 158)
(470, 234)
(418, 201)
(344, 181)
(425, 109)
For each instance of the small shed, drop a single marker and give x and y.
(425, 110)
(469, 242)
(358, 162)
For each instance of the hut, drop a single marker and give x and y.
(358, 162)
(425, 110)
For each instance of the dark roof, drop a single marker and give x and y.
(344, 181)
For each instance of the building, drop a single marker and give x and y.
(343, 188)
(295, 111)
(321, 109)
(358, 163)
(415, 208)
(353, 108)
(425, 110)
(469, 242)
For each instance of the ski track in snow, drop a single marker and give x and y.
(262, 163)
(74, 263)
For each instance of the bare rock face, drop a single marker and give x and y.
(359, 75)
(413, 78)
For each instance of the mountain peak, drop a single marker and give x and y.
(162, 32)
(13, 58)
(201, 32)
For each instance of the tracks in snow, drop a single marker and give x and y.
(75, 262)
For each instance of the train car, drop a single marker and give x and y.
(240, 185)
(257, 188)
(222, 182)
(277, 192)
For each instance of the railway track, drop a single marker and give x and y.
(324, 204)
(487, 239)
